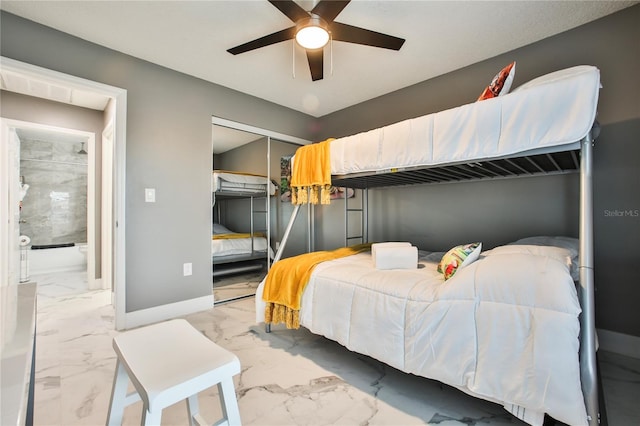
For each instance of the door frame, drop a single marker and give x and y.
(9, 216)
(106, 214)
(119, 97)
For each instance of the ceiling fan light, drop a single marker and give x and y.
(312, 34)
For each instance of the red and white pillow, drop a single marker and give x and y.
(501, 83)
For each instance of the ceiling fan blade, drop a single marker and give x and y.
(316, 62)
(290, 9)
(329, 9)
(351, 34)
(267, 40)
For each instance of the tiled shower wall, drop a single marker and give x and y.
(54, 209)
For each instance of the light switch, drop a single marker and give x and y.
(150, 195)
(187, 269)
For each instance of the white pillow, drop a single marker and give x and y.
(569, 243)
(219, 229)
(560, 254)
(554, 76)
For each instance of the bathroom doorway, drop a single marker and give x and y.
(59, 230)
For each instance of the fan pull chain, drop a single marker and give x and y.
(293, 55)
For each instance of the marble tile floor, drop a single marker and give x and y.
(232, 287)
(289, 377)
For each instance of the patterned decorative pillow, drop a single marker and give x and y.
(501, 83)
(458, 257)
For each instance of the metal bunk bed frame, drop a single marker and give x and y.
(577, 159)
(254, 255)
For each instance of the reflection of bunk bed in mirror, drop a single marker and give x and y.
(499, 337)
(240, 250)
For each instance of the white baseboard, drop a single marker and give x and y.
(619, 343)
(169, 311)
(96, 284)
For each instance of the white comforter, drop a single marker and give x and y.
(553, 110)
(505, 328)
(238, 246)
(241, 182)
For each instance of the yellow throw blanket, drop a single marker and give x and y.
(287, 279)
(235, 236)
(312, 171)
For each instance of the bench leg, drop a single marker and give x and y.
(193, 409)
(151, 419)
(118, 396)
(229, 402)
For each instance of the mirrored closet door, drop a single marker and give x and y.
(249, 206)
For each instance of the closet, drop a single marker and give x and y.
(249, 206)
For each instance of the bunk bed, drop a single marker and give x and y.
(546, 126)
(228, 183)
(234, 252)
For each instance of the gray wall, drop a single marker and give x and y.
(168, 148)
(502, 211)
(497, 213)
(248, 158)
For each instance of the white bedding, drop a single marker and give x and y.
(235, 246)
(240, 182)
(553, 110)
(505, 328)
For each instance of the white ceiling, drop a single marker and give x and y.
(224, 139)
(192, 37)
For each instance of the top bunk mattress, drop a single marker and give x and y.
(240, 182)
(551, 113)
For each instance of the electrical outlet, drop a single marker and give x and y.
(187, 269)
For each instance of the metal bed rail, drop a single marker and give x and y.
(531, 165)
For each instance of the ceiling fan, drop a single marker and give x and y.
(319, 22)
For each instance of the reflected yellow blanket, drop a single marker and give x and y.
(288, 278)
(312, 171)
(235, 236)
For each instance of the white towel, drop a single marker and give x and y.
(396, 257)
(376, 246)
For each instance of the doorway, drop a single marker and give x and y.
(115, 115)
(57, 223)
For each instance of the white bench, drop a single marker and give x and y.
(169, 362)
